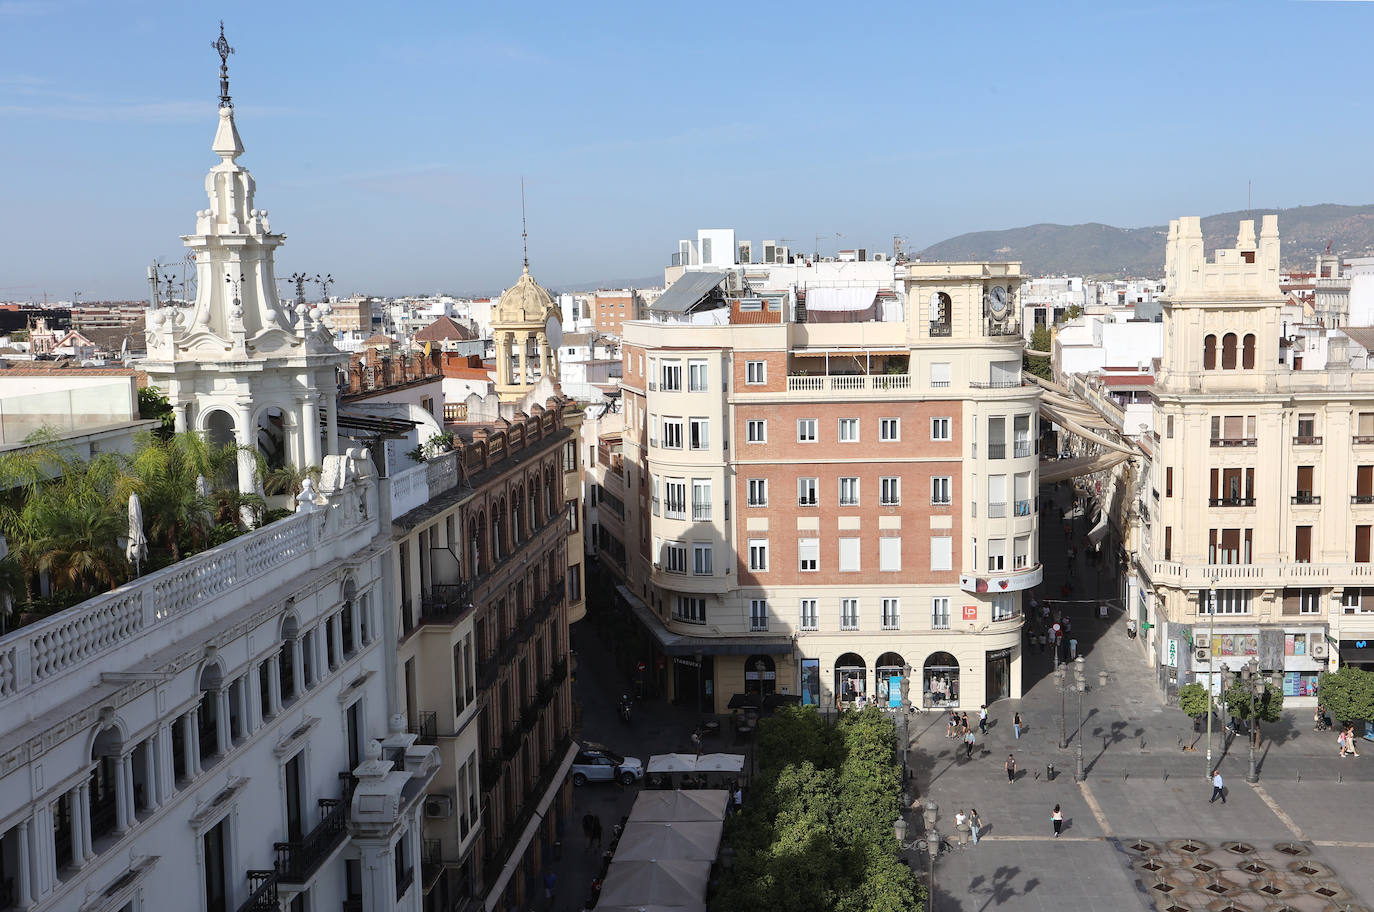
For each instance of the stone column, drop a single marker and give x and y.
(166, 763)
(502, 360)
(274, 684)
(23, 888)
(151, 787)
(192, 742)
(378, 873)
(245, 435)
(297, 666)
(223, 732)
(124, 811)
(78, 802)
(524, 343)
(44, 851)
(336, 636)
(252, 701)
(331, 425)
(356, 620)
(310, 431)
(545, 360)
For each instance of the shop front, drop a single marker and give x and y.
(1358, 653)
(760, 675)
(998, 675)
(888, 675)
(940, 681)
(694, 682)
(851, 679)
(811, 682)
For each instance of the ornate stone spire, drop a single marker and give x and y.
(222, 46)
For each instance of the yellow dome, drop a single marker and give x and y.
(524, 302)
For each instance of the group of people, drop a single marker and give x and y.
(1055, 632)
(1346, 742)
(591, 828)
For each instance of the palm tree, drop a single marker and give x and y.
(79, 548)
(163, 472)
(289, 479)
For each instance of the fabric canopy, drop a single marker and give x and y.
(690, 907)
(696, 840)
(672, 763)
(665, 882)
(678, 805)
(720, 763)
(841, 305)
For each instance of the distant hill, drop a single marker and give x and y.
(1103, 250)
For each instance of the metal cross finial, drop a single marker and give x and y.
(524, 234)
(224, 50)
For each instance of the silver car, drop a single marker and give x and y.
(595, 763)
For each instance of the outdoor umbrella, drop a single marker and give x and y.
(691, 840)
(773, 701)
(745, 701)
(137, 548)
(672, 763)
(720, 763)
(677, 805)
(666, 882)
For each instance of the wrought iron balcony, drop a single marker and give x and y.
(1305, 497)
(446, 603)
(297, 861)
(1233, 441)
(262, 893)
(425, 725)
(1362, 498)
(1362, 439)
(1306, 440)
(940, 329)
(1231, 502)
(431, 863)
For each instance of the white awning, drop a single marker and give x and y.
(840, 299)
(494, 894)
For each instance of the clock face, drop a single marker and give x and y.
(997, 299)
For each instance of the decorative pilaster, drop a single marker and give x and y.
(192, 741)
(223, 736)
(274, 684)
(23, 877)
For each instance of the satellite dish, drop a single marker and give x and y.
(553, 331)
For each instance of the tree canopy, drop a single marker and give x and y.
(1192, 699)
(1348, 694)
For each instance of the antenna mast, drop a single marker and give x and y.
(524, 232)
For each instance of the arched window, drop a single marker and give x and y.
(1228, 352)
(1209, 352)
(104, 783)
(851, 679)
(760, 675)
(890, 673)
(941, 680)
(1247, 352)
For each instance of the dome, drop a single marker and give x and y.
(524, 302)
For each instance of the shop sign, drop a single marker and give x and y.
(970, 612)
(1026, 579)
(1172, 658)
(999, 654)
(688, 662)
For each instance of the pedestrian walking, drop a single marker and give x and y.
(974, 824)
(1073, 648)
(1057, 818)
(1016, 725)
(737, 798)
(969, 742)
(550, 881)
(587, 829)
(1340, 744)
(1218, 787)
(1350, 740)
(596, 830)
(952, 729)
(983, 719)
(963, 724)
(1011, 768)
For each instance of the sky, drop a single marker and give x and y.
(389, 141)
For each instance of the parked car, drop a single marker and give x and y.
(595, 763)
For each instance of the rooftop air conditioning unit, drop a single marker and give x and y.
(438, 807)
(1319, 650)
(1202, 654)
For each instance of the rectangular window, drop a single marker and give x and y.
(216, 867)
(692, 610)
(939, 374)
(1362, 544)
(1021, 434)
(890, 490)
(809, 620)
(806, 430)
(756, 430)
(849, 614)
(939, 429)
(939, 613)
(941, 552)
(1020, 557)
(1225, 601)
(758, 614)
(849, 430)
(701, 499)
(808, 554)
(890, 554)
(1003, 606)
(997, 437)
(1307, 426)
(889, 429)
(758, 492)
(672, 376)
(698, 376)
(997, 554)
(849, 492)
(1169, 427)
(892, 614)
(1364, 484)
(758, 554)
(1302, 544)
(1169, 481)
(1302, 601)
(1352, 601)
(806, 492)
(675, 557)
(1168, 542)
(997, 496)
(701, 558)
(675, 498)
(939, 489)
(699, 433)
(755, 372)
(672, 433)
(849, 555)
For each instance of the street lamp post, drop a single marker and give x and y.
(1063, 734)
(930, 844)
(1211, 661)
(1080, 683)
(1249, 672)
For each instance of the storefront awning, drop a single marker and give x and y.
(675, 644)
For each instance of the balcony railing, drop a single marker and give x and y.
(1231, 502)
(997, 451)
(849, 385)
(1023, 448)
(1305, 497)
(1010, 383)
(1362, 439)
(262, 893)
(1362, 498)
(297, 861)
(498, 854)
(425, 726)
(1306, 440)
(1023, 508)
(447, 603)
(1233, 441)
(940, 329)
(997, 510)
(431, 863)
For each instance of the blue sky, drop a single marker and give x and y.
(388, 140)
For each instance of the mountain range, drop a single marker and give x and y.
(1095, 249)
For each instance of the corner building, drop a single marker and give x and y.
(825, 509)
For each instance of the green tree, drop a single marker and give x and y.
(1073, 312)
(1348, 694)
(289, 479)
(1268, 708)
(1192, 699)
(153, 404)
(165, 473)
(1039, 365)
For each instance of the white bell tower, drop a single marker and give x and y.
(236, 363)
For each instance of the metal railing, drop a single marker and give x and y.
(1023, 508)
(446, 603)
(1233, 441)
(1306, 440)
(997, 451)
(1305, 497)
(1362, 498)
(297, 861)
(940, 329)
(262, 893)
(1231, 501)
(425, 726)
(997, 510)
(1023, 448)
(995, 384)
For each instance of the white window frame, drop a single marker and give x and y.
(757, 492)
(756, 430)
(806, 430)
(809, 620)
(808, 492)
(942, 561)
(703, 562)
(691, 609)
(1020, 552)
(890, 554)
(848, 431)
(675, 508)
(758, 614)
(940, 429)
(674, 557)
(890, 490)
(1224, 601)
(1312, 605)
(699, 433)
(849, 614)
(755, 373)
(701, 499)
(997, 555)
(941, 490)
(808, 552)
(939, 612)
(758, 555)
(698, 376)
(892, 614)
(1352, 601)
(671, 438)
(889, 429)
(850, 547)
(1003, 606)
(849, 491)
(670, 376)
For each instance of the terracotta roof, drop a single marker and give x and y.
(378, 340)
(458, 372)
(444, 329)
(40, 368)
(1362, 336)
(1128, 379)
